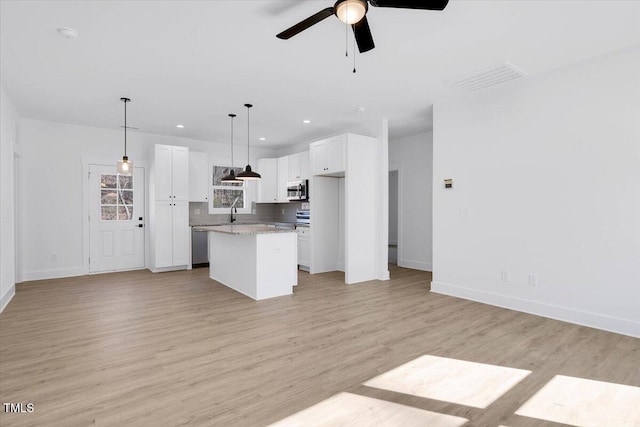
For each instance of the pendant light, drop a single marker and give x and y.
(231, 176)
(248, 174)
(125, 166)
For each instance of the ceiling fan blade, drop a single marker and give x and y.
(362, 32)
(411, 4)
(303, 25)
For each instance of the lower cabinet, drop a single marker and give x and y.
(304, 248)
(171, 234)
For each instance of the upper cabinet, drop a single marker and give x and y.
(268, 185)
(171, 172)
(198, 176)
(283, 178)
(272, 188)
(327, 157)
(299, 166)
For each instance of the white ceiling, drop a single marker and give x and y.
(193, 62)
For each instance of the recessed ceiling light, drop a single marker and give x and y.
(306, 122)
(262, 138)
(179, 126)
(68, 33)
(361, 109)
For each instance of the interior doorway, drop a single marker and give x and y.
(393, 216)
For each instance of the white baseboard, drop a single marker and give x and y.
(166, 269)
(4, 301)
(52, 274)
(566, 314)
(416, 265)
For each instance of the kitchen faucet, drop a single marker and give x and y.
(233, 207)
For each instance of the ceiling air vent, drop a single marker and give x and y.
(486, 77)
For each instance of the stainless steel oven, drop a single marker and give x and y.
(298, 190)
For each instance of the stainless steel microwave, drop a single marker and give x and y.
(298, 190)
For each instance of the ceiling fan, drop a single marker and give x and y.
(353, 12)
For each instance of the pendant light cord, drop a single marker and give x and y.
(248, 107)
(125, 127)
(232, 116)
(125, 100)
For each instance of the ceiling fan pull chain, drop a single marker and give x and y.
(346, 40)
(354, 55)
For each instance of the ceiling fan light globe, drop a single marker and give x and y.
(351, 11)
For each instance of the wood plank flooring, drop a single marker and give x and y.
(136, 349)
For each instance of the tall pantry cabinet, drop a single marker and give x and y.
(169, 208)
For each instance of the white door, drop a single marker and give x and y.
(116, 219)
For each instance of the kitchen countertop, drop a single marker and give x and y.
(244, 229)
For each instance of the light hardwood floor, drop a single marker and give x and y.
(136, 349)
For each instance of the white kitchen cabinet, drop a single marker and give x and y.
(171, 178)
(181, 236)
(198, 176)
(171, 241)
(327, 157)
(283, 178)
(169, 208)
(344, 238)
(268, 185)
(299, 166)
(304, 247)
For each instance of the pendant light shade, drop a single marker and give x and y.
(247, 174)
(231, 177)
(125, 166)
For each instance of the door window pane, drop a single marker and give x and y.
(125, 182)
(108, 213)
(108, 180)
(116, 197)
(108, 197)
(126, 197)
(125, 213)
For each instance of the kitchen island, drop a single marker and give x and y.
(259, 261)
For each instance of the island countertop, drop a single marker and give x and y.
(244, 229)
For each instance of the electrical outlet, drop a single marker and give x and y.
(504, 276)
(54, 257)
(533, 280)
(196, 211)
(282, 211)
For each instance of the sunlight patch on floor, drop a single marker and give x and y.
(346, 409)
(582, 402)
(450, 380)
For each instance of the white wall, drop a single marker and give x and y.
(8, 144)
(412, 156)
(548, 170)
(52, 174)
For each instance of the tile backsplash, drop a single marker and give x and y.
(263, 212)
